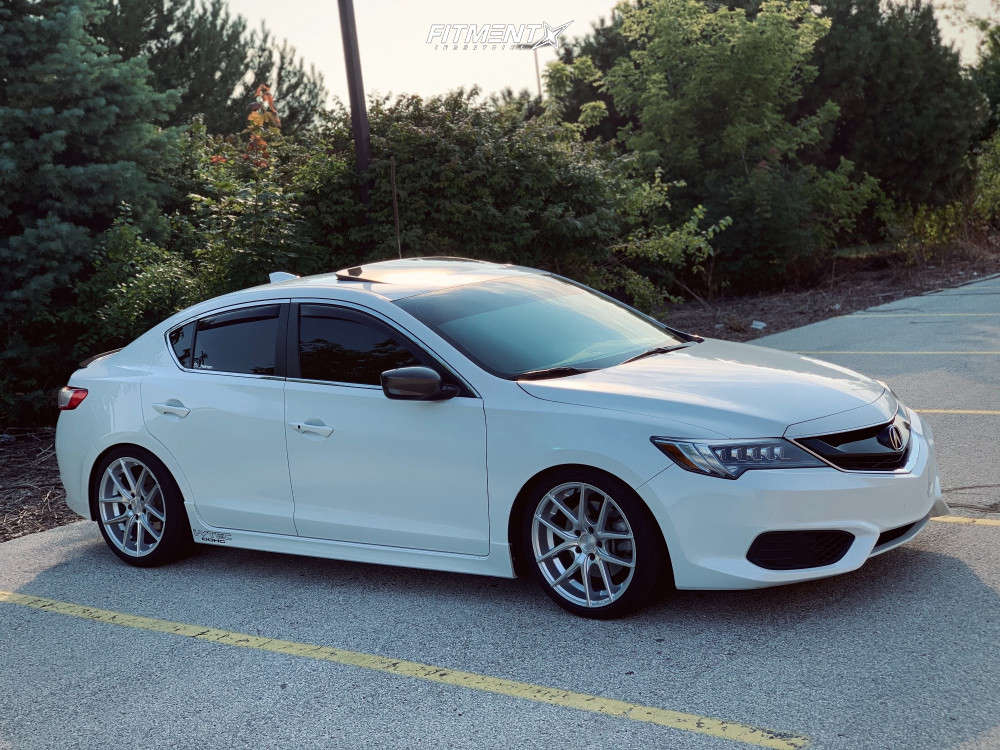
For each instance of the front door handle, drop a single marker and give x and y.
(315, 429)
(173, 406)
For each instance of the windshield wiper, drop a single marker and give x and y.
(552, 372)
(655, 350)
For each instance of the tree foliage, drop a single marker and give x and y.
(77, 138)
(214, 59)
(707, 93)
(908, 112)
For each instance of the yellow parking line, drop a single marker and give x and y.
(960, 411)
(727, 730)
(925, 315)
(968, 521)
(844, 351)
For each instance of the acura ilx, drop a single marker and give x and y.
(472, 417)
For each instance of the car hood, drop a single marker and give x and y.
(724, 389)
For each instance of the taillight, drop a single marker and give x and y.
(70, 398)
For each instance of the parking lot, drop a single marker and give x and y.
(233, 648)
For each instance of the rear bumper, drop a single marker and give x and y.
(709, 523)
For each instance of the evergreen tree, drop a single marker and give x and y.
(908, 113)
(986, 76)
(77, 134)
(199, 47)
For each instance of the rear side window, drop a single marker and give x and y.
(240, 341)
(181, 339)
(344, 346)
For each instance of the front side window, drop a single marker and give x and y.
(344, 346)
(238, 341)
(523, 324)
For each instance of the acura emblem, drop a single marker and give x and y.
(895, 438)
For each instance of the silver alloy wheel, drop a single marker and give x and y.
(132, 507)
(583, 544)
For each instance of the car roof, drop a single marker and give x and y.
(406, 277)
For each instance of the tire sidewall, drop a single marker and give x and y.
(652, 561)
(176, 540)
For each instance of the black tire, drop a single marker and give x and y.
(647, 550)
(175, 531)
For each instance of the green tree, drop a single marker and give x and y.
(602, 47)
(708, 92)
(986, 76)
(908, 113)
(214, 59)
(77, 134)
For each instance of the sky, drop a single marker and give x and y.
(397, 58)
(392, 38)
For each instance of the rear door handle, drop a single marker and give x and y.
(315, 429)
(174, 407)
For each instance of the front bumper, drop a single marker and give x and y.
(710, 523)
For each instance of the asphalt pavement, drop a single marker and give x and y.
(902, 653)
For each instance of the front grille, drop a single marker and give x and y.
(884, 447)
(793, 550)
(893, 534)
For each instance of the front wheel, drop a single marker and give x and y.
(592, 544)
(139, 508)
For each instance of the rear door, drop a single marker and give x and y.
(374, 470)
(220, 412)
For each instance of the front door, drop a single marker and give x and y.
(369, 469)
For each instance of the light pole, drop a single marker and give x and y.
(356, 93)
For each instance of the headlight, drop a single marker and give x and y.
(730, 458)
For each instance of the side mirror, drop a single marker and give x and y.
(416, 384)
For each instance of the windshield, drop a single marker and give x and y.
(528, 323)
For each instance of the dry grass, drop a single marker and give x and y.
(31, 495)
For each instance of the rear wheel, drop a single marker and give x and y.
(592, 544)
(139, 508)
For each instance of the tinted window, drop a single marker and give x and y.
(515, 325)
(181, 340)
(239, 341)
(348, 347)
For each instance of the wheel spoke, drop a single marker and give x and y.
(566, 574)
(155, 513)
(128, 532)
(602, 517)
(585, 571)
(555, 529)
(582, 508)
(117, 519)
(555, 551)
(139, 482)
(115, 499)
(603, 568)
(128, 476)
(118, 485)
(140, 532)
(562, 508)
(614, 559)
(612, 536)
(149, 529)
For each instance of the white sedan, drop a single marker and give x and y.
(482, 418)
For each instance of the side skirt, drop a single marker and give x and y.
(496, 563)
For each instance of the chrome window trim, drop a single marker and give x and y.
(216, 311)
(395, 325)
